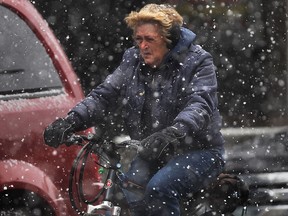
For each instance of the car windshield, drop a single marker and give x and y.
(25, 66)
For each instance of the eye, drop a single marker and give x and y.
(150, 40)
(138, 40)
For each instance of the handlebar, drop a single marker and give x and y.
(109, 145)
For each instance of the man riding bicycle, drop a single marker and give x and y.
(168, 92)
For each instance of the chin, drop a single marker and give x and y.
(151, 64)
(148, 63)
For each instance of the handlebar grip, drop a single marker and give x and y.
(136, 144)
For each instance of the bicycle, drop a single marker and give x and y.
(219, 199)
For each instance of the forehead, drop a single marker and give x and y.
(152, 29)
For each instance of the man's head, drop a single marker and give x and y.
(152, 27)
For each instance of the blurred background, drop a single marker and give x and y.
(248, 40)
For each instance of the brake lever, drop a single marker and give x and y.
(74, 139)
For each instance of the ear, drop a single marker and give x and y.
(174, 36)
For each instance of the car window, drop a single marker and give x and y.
(25, 66)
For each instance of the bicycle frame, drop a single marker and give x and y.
(110, 155)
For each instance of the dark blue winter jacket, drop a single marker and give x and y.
(182, 92)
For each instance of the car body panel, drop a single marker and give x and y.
(25, 161)
(20, 174)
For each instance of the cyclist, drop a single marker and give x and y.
(168, 92)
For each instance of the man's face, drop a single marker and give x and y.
(151, 44)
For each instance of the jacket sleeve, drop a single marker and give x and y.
(104, 97)
(199, 93)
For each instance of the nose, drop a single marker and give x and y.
(142, 44)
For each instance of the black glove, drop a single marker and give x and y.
(57, 132)
(160, 144)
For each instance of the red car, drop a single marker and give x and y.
(37, 85)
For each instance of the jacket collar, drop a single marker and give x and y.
(186, 39)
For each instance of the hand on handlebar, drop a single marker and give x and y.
(160, 143)
(58, 132)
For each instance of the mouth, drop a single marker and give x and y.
(146, 55)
